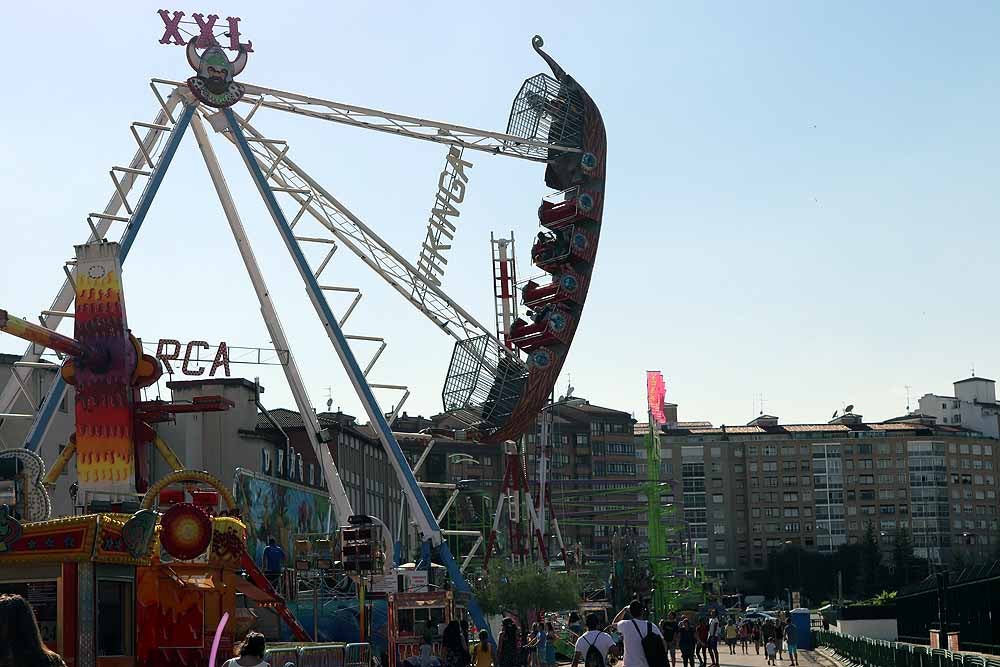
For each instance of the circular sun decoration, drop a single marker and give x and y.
(186, 531)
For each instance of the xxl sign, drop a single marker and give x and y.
(189, 358)
(444, 215)
(205, 27)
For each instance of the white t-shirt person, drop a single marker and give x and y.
(632, 632)
(602, 641)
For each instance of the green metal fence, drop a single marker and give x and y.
(879, 653)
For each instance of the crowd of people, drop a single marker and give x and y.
(695, 639)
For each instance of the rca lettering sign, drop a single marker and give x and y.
(193, 362)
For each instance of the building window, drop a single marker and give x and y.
(716, 497)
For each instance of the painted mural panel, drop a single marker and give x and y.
(275, 508)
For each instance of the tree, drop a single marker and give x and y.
(871, 563)
(902, 558)
(525, 588)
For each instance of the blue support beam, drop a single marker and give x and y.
(43, 418)
(418, 502)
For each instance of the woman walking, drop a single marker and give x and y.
(549, 658)
(507, 649)
(482, 655)
(251, 652)
(456, 651)
(20, 639)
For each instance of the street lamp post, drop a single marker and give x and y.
(798, 570)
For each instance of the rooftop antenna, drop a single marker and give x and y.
(329, 398)
(569, 385)
(973, 369)
(907, 387)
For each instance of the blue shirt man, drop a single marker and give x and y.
(274, 557)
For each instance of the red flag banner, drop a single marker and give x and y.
(656, 392)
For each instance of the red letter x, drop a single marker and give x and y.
(171, 32)
(206, 37)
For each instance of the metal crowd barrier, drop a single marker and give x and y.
(321, 655)
(358, 655)
(879, 653)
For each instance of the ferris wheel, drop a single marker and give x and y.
(499, 377)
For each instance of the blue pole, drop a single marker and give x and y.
(40, 425)
(351, 365)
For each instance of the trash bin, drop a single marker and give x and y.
(803, 628)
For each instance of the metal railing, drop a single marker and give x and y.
(320, 655)
(880, 653)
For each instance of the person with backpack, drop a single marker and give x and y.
(641, 639)
(594, 645)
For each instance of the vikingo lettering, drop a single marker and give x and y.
(444, 215)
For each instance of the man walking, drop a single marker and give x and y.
(714, 634)
(686, 641)
(668, 628)
(633, 631)
(592, 647)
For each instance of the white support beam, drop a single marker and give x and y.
(472, 553)
(338, 494)
(447, 506)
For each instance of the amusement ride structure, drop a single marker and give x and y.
(498, 380)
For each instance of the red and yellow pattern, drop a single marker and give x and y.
(185, 531)
(104, 398)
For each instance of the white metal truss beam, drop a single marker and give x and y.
(124, 179)
(286, 177)
(402, 125)
(338, 494)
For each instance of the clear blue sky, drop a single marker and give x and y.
(801, 196)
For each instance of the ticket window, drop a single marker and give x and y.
(420, 622)
(115, 597)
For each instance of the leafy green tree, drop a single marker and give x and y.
(525, 588)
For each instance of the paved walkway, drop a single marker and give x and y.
(806, 659)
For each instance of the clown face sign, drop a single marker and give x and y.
(214, 83)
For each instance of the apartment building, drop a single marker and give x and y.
(972, 405)
(745, 491)
(593, 453)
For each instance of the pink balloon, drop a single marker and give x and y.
(218, 638)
